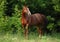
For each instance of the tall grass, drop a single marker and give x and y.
(32, 38)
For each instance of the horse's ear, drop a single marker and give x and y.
(25, 5)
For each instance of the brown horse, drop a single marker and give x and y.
(35, 19)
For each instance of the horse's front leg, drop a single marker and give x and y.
(26, 31)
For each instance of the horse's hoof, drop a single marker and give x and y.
(40, 37)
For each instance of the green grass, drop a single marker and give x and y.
(32, 38)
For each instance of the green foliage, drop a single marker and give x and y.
(50, 26)
(57, 5)
(2, 18)
(58, 23)
(2, 7)
(50, 18)
(10, 13)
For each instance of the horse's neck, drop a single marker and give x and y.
(29, 13)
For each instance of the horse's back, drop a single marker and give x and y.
(37, 18)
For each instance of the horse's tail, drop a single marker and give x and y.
(45, 29)
(45, 20)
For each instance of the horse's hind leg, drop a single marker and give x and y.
(40, 32)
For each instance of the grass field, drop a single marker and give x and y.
(32, 38)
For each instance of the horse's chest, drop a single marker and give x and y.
(24, 21)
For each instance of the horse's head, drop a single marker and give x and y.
(26, 11)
